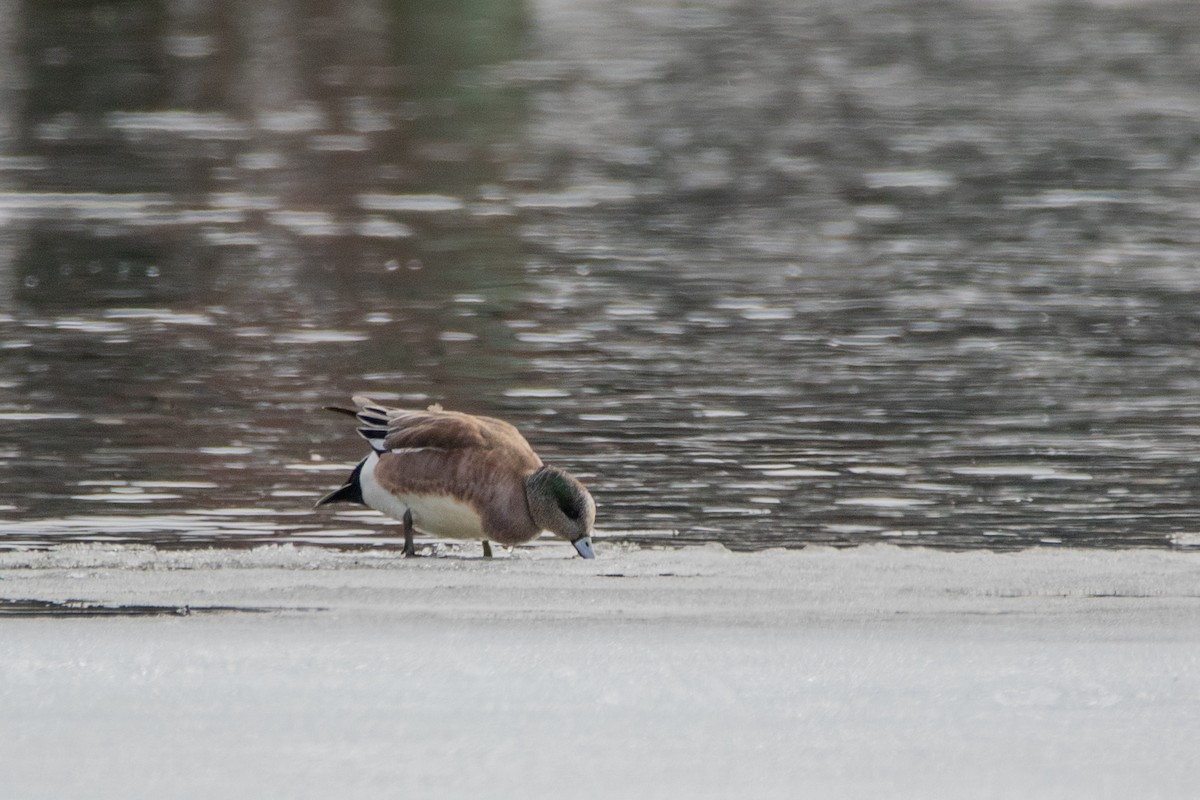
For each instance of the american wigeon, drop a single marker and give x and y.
(460, 476)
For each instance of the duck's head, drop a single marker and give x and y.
(560, 504)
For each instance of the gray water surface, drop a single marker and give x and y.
(765, 273)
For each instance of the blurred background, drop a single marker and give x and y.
(764, 273)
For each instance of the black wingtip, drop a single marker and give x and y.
(352, 412)
(349, 492)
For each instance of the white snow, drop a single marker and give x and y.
(876, 672)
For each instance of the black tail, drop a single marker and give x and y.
(349, 492)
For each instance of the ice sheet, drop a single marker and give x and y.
(873, 672)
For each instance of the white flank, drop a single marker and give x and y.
(437, 515)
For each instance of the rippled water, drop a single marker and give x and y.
(765, 274)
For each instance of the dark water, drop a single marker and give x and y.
(763, 273)
(88, 608)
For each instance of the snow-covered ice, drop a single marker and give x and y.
(876, 672)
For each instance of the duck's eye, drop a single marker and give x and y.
(566, 500)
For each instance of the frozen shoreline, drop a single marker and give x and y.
(872, 672)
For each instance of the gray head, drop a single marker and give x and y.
(560, 504)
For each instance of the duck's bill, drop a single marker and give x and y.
(583, 546)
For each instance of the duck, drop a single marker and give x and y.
(455, 475)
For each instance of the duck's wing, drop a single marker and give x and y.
(392, 429)
(490, 483)
(479, 461)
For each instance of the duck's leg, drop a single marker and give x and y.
(409, 550)
(487, 549)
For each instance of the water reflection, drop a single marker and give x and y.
(799, 272)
